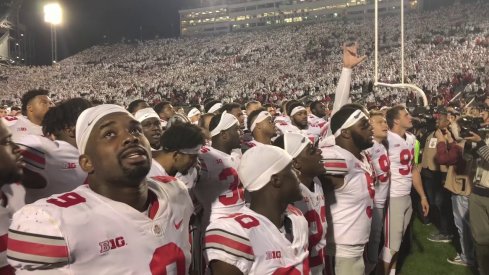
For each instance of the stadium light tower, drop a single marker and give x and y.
(54, 16)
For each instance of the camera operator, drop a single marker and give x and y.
(433, 176)
(479, 203)
(451, 152)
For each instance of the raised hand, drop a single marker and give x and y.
(350, 56)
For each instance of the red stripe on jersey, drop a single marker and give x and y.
(154, 205)
(3, 243)
(335, 164)
(29, 155)
(229, 243)
(46, 250)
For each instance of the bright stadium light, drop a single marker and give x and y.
(53, 13)
(54, 16)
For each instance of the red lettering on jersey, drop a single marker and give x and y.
(70, 165)
(385, 167)
(112, 244)
(405, 159)
(219, 161)
(22, 129)
(165, 256)
(270, 255)
(164, 179)
(235, 190)
(10, 118)
(247, 221)
(67, 200)
(204, 150)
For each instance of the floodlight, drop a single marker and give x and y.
(53, 13)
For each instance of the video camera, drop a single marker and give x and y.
(472, 124)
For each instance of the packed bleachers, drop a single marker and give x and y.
(442, 47)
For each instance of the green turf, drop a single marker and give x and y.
(430, 258)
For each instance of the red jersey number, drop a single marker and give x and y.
(406, 157)
(67, 200)
(164, 256)
(235, 190)
(384, 165)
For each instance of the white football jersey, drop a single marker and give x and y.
(218, 188)
(350, 206)
(158, 170)
(316, 121)
(401, 155)
(381, 165)
(312, 205)
(4, 224)
(55, 161)
(20, 126)
(253, 244)
(82, 232)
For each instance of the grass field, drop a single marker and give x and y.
(428, 258)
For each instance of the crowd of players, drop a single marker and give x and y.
(106, 189)
(270, 65)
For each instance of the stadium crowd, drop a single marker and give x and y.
(174, 156)
(271, 64)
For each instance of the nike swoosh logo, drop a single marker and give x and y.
(178, 225)
(357, 115)
(90, 123)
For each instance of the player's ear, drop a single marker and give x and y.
(86, 164)
(296, 164)
(346, 133)
(71, 131)
(275, 181)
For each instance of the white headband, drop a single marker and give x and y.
(193, 112)
(296, 110)
(191, 151)
(354, 118)
(215, 107)
(87, 120)
(259, 164)
(294, 143)
(145, 113)
(227, 121)
(259, 118)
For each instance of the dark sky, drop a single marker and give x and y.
(89, 22)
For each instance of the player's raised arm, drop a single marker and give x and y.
(350, 61)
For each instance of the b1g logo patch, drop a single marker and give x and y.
(111, 244)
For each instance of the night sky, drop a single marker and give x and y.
(90, 22)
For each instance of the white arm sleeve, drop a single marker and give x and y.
(342, 93)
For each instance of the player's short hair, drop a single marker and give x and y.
(228, 107)
(313, 105)
(252, 102)
(202, 119)
(292, 105)
(340, 117)
(132, 106)
(63, 115)
(182, 136)
(393, 114)
(160, 106)
(355, 106)
(209, 104)
(30, 95)
(214, 122)
(252, 117)
(279, 142)
(376, 113)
